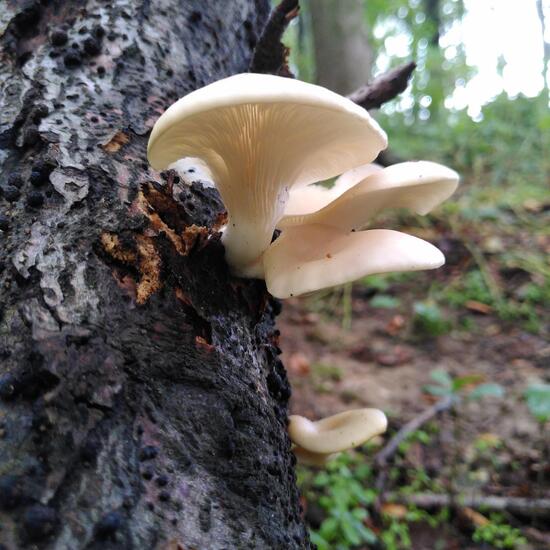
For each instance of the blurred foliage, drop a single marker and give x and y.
(499, 534)
(538, 401)
(508, 147)
(342, 493)
(470, 386)
(412, 28)
(429, 321)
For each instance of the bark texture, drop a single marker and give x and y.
(142, 403)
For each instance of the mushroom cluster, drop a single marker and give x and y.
(265, 141)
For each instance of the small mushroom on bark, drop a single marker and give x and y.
(316, 442)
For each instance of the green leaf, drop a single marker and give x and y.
(321, 479)
(329, 529)
(385, 301)
(487, 390)
(319, 541)
(359, 513)
(349, 531)
(442, 377)
(461, 381)
(437, 390)
(538, 401)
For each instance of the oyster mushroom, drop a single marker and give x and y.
(317, 441)
(262, 135)
(327, 247)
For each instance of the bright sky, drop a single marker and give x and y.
(494, 31)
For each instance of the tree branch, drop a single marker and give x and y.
(271, 55)
(383, 88)
(539, 507)
(388, 451)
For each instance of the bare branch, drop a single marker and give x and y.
(539, 507)
(384, 88)
(271, 55)
(388, 451)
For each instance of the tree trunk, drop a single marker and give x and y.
(433, 14)
(546, 46)
(142, 403)
(343, 56)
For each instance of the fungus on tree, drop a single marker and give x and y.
(264, 140)
(328, 247)
(262, 135)
(316, 442)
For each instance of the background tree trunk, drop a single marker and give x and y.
(546, 44)
(433, 14)
(142, 403)
(343, 56)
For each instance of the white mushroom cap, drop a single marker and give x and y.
(355, 175)
(420, 186)
(336, 433)
(260, 135)
(307, 258)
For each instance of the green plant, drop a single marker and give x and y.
(538, 401)
(344, 498)
(428, 320)
(471, 286)
(396, 535)
(469, 386)
(499, 534)
(385, 301)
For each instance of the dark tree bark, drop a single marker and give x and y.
(142, 403)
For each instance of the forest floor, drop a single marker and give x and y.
(476, 330)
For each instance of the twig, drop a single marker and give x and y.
(539, 507)
(389, 450)
(383, 88)
(271, 55)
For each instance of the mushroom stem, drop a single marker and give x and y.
(244, 245)
(309, 458)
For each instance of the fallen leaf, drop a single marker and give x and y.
(393, 510)
(201, 342)
(299, 364)
(491, 439)
(397, 322)
(474, 517)
(478, 307)
(397, 356)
